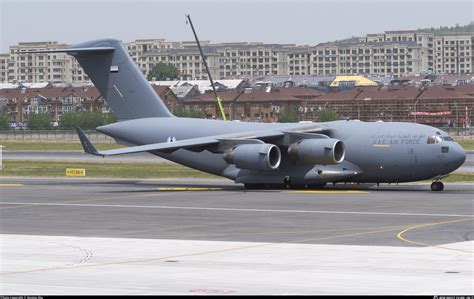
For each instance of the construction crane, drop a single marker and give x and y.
(218, 99)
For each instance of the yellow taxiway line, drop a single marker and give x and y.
(402, 238)
(330, 191)
(187, 189)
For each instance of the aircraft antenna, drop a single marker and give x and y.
(218, 99)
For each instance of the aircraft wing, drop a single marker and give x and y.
(193, 143)
(162, 146)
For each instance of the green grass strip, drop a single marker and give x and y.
(53, 146)
(468, 145)
(98, 170)
(459, 177)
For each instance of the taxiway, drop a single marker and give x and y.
(100, 236)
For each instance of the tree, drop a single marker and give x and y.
(289, 115)
(163, 71)
(39, 121)
(4, 123)
(109, 117)
(90, 120)
(449, 29)
(86, 120)
(327, 115)
(68, 121)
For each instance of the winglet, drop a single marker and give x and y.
(86, 144)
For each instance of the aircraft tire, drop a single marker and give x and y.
(437, 186)
(440, 186)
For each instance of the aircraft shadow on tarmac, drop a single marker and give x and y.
(182, 187)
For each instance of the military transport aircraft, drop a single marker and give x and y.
(260, 155)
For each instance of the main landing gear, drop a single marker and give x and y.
(437, 186)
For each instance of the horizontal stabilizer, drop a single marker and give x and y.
(73, 51)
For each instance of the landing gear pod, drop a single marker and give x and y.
(318, 151)
(264, 156)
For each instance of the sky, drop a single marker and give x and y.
(302, 22)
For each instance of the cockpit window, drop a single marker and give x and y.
(434, 139)
(447, 138)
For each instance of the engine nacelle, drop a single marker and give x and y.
(318, 151)
(261, 156)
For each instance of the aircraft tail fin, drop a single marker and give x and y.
(118, 79)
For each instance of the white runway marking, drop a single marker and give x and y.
(231, 209)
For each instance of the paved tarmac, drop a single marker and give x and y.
(164, 209)
(194, 236)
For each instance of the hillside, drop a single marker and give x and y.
(450, 29)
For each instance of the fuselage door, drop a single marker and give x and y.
(412, 160)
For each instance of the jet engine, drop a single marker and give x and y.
(318, 151)
(261, 156)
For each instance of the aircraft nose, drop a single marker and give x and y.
(458, 155)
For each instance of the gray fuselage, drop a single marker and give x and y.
(376, 152)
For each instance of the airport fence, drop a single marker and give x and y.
(460, 132)
(51, 135)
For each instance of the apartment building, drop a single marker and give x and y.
(139, 47)
(187, 60)
(4, 67)
(299, 61)
(233, 60)
(424, 39)
(380, 58)
(440, 53)
(257, 59)
(43, 67)
(397, 53)
(454, 53)
(60, 67)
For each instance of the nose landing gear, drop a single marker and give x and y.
(437, 186)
